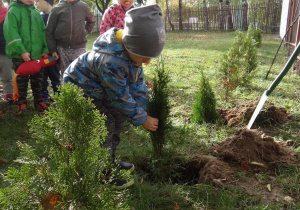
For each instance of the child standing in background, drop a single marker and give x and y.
(68, 24)
(24, 32)
(5, 62)
(51, 72)
(114, 15)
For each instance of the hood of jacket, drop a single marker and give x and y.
(109, 44)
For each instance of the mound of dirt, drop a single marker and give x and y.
(242, 113)
(252, 149)
(209, 168)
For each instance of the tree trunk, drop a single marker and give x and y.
(245, 15)
(180, 15)
(206, 23)
(103, 6)
(274, 17)
(221, 17)
(229, 16)
(168, 16)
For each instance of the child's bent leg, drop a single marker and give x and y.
(112, 123)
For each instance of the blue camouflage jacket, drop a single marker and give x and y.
(108, 73)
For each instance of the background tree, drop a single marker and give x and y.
(102, 5)
(206, 23)
(180, 14)
(168, 16)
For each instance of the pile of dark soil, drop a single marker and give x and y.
(241, 114)
(254, 150)
(250, 149)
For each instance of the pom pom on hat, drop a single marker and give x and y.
(144, 33)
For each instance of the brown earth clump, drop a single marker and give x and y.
(254, 150)
(242, 113)
(209, 168)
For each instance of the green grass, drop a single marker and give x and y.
(188, 53)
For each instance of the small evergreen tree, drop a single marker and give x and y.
(231, 64)
(158, 106)
(73, 171)
(250, 59)
(237, 66)
(255, 34)
(204, 107)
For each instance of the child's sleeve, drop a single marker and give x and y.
(12, 36)
(139, 91)
(114, 81)
(45, 46)
(89, 22)
(50, 29)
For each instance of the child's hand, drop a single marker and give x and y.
(45, 55)
(56, 55)
(26, 56)
(151, 124)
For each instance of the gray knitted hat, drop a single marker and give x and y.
(144, 32)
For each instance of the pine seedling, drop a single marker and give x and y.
(67, 168)
(237, 66)
(204, 107)
(255, 34)
(158, 106)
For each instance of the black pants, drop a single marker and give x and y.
(114, 124)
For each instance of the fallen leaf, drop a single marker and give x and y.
(2, 161)
(176, 206)
(269, 187)
(257, 164)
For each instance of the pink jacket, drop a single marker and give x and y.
(113, 17)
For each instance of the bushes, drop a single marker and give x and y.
(255, 35)
(237, 66)
(204, 107)
(67, 168)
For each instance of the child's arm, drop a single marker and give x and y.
(50, 29)
(89, 22)
(15, 47)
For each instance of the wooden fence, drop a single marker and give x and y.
(219, 18)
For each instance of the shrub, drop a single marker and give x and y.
(204, 107)
(72, 172)
(158, 106)
(237, 66)
(255, 34)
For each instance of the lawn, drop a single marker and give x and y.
(164, 183)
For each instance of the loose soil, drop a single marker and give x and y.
(249, 152)
(241, 114)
